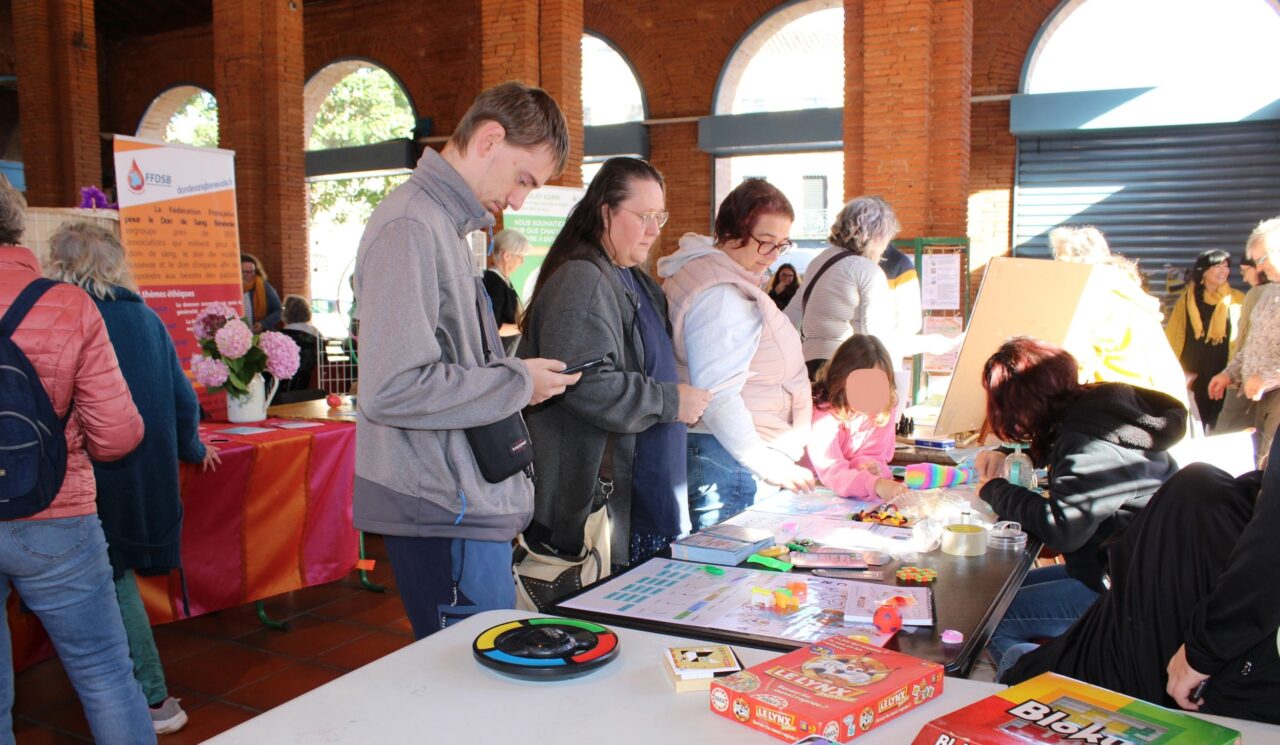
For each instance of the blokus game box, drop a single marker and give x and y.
(837, 688)
(1052, 708)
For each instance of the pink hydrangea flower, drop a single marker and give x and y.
(213, 317)
(282, 354)
(234, 339)
(209, 371)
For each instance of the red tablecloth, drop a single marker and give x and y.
(274, 517)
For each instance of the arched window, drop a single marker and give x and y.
(791, 61)
(355, 102)
(349, 104)
(1107, 44)
(184, 114)
(610, 95)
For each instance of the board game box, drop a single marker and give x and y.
(1052, 708)
(721, 544)
(838, 688)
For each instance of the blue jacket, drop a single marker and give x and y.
(138, 495)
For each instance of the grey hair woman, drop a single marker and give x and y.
(864, 227)
(509, 249)
(847, 292)
(92, 257)
(1079, 244)
(138, 495)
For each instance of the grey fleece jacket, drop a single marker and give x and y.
(422, 376)
(584, 312)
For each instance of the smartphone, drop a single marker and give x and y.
(584, 366)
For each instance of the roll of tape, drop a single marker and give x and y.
(964, 540)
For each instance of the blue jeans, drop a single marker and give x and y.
(444, 580)
(60, 570)
(1046, 605)
(719, 486)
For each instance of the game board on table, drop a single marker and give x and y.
(680, 593)
(827, 531)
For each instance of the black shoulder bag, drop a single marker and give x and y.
(501, 449)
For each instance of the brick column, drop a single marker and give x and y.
(690, 188)
(258, 80)
(542, 47)
(907, 133)
(560, 58)
(56, 52)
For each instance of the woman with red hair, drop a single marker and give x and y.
(1105, 445)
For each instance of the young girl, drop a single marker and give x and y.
(850, 448)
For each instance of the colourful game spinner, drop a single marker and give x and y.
(546, 648)
(934, 476)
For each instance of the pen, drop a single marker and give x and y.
(1198, 693)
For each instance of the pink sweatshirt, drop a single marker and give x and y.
(848, 457)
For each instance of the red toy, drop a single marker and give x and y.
(334, 400)
(887, 620)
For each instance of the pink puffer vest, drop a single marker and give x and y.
(777, 392)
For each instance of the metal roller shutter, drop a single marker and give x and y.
(1161, 196)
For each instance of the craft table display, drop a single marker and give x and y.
(435, 691)
(274, 517)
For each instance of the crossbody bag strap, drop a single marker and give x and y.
(484, 330)
(804, 299)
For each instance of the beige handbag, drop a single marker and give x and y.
(542, 579)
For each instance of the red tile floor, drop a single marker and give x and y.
(227, 667)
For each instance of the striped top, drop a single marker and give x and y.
(852, 298)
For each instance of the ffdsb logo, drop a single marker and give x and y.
(138, 181)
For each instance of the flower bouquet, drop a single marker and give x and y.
(233, 358)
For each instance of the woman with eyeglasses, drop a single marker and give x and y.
(262, 308)
(613, 445)
(847, 291)
(731, 339)
(784, 285)
(1210, 308)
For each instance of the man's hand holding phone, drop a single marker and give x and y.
(549, 378)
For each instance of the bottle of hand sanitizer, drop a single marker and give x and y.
(1019, 470)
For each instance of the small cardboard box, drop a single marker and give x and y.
(838, 688)
(1052, 708)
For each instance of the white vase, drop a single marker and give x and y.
(253, 407)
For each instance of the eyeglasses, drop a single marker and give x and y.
(658, 218)
(767, 247)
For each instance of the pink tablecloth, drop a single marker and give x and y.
(274, 517)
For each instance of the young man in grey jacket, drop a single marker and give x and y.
(424, 378)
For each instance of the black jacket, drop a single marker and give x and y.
(1107, 457)
(584, 312)
(1192, 569)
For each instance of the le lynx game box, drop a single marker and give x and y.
(1052, 708)
(838, 688)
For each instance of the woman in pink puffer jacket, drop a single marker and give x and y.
(57, 558)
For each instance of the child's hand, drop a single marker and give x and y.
(869, 465)
(888, 489)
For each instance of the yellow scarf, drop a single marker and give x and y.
(1221, 302)
(260, 298)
